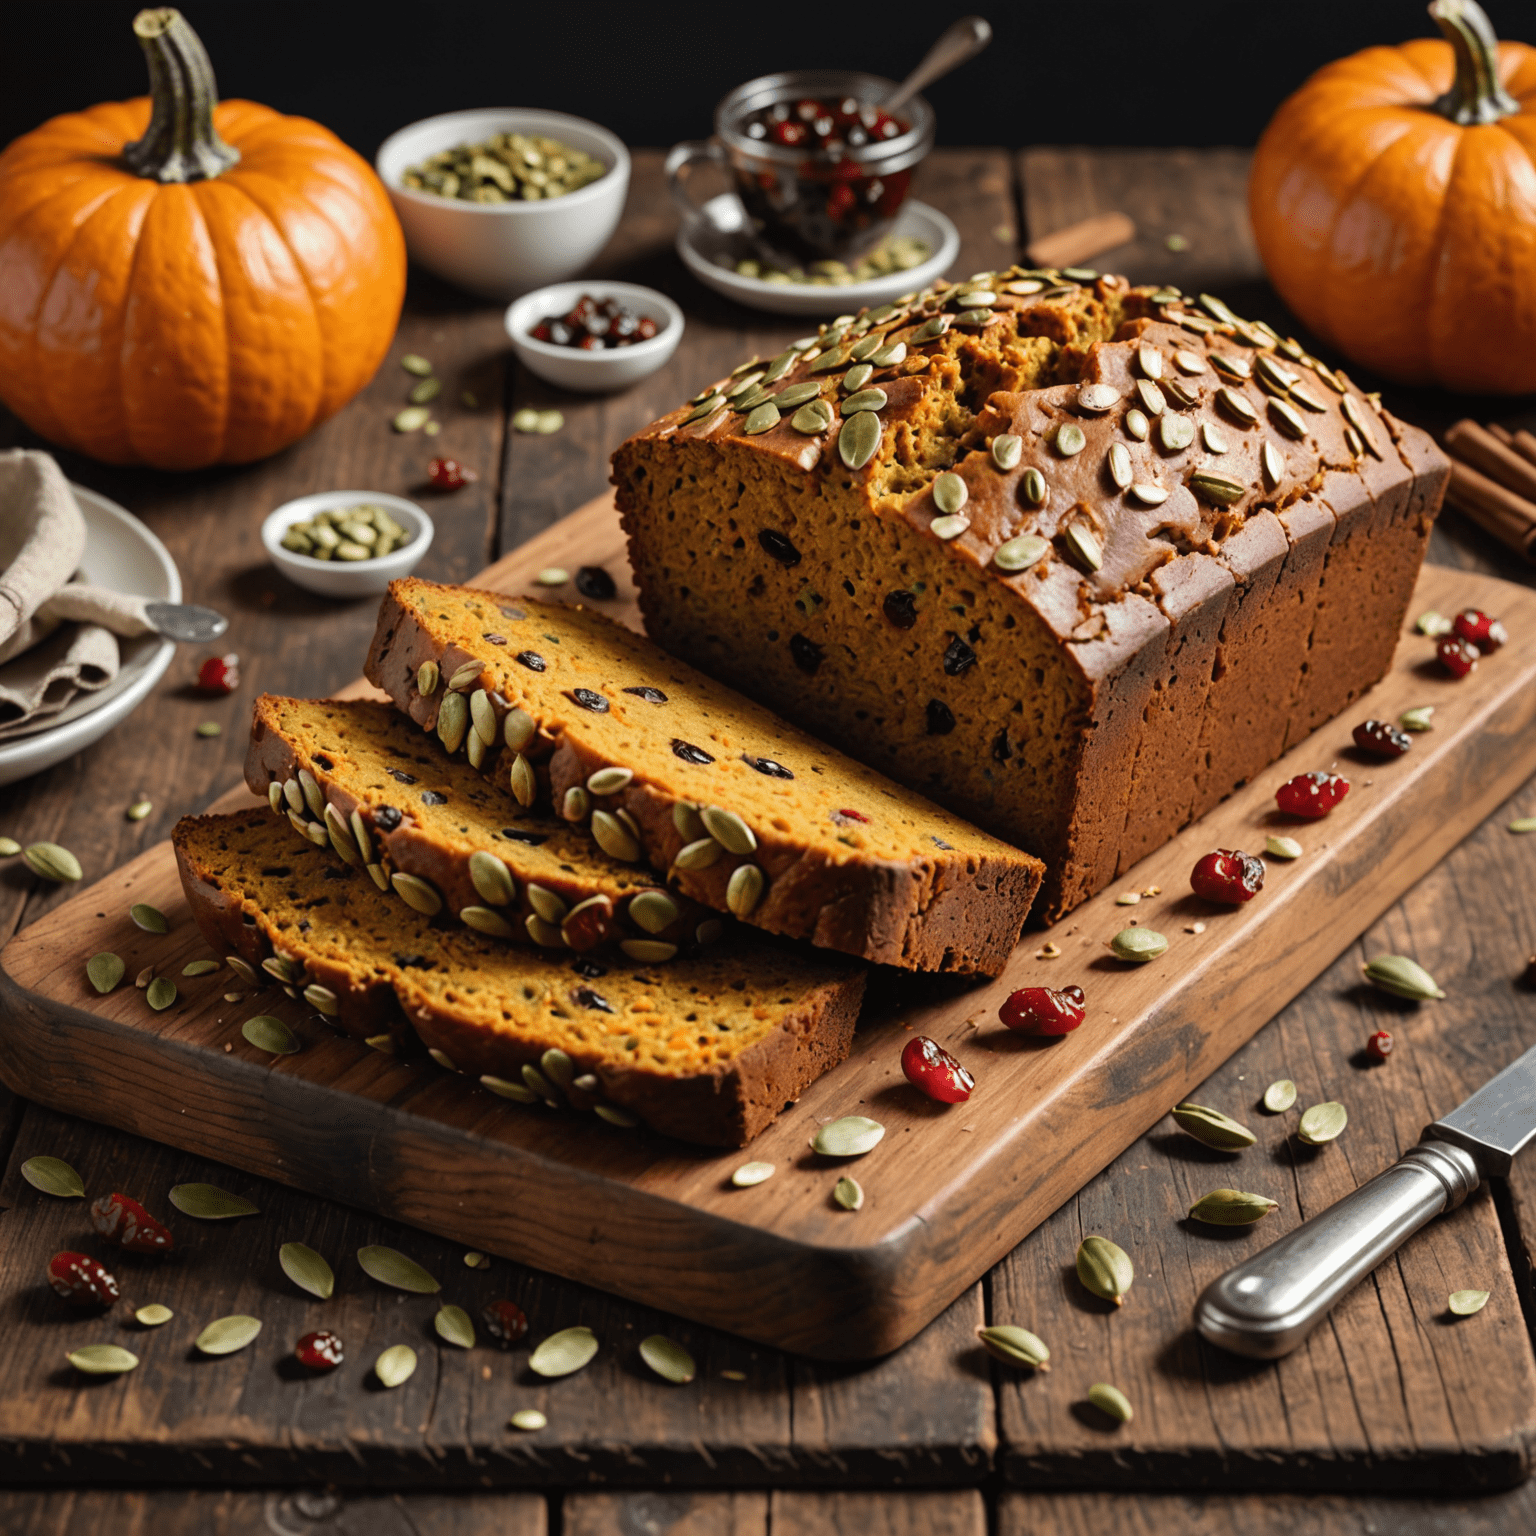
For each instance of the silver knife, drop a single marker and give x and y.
(1268, 1304)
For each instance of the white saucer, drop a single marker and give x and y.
(716, 235)
(123, 555)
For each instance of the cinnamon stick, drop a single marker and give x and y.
(1478, 447)
(1509, 517)
(1080, 242)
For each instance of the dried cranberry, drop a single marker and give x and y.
(1381, 738)
(1477, 628)
(1043, 1010)
(125, 1223)
(448, 475)
(1228, 875)
(80, 1280)
(901, 608)
(853, 815)
(933, 1071)
(219, 674)
(594, 583)
(1311, 795)
(1379, 1046)
(790, 135)
(320, 1350)
(505, 1321)
(1457, 656)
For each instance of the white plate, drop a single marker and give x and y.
(124, 556)
(718, 233)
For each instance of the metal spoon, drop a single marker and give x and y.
(964, 40)
(185, 621)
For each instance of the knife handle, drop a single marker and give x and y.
(1268, 1304)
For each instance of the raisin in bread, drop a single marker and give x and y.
(1073, 558)
(359, 776)
(743, 812)
(709, 1049)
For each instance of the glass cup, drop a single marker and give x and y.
(805, 204)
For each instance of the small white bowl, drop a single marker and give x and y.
(499, 250)
(593, 372)
(347, 578)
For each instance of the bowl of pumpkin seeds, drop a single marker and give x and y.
(347, 543)
(503, 200)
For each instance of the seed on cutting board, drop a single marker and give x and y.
(1418, 719)
(1322, 1123)
(849, 1194)
(139, 810)
(1111, 1401)
(1282, 847)
(102, 1360)
(1401, 977)
(104, 970)
(391, 1267)
(414, 362)
(412, 419)
(208, 1202)
(160, 993)
(474, 1260)
(849, 1136)
(454, 1326)
(1213, 1128)
(271, 1035)
(53, 1176)
(1015, 1345)
(1523, 824)
(668, 1359)
(426, 391)
(1231, 1208)
(53, 863)
(226, 1335)
(144, 977)
(1466, 1303)
(564, 1352)
(528, 1419)
(1279, 1096)
(616, 1116)
(210, 728)
(307, 1269)
(199, 967)
(153, 1316)
(743, 1178)
(1105, 1269)
(395, 1365)
(1138, 944)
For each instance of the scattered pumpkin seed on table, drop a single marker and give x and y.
(1015, 1345)
(414, 362)
(52, 862)
(1466, 1303)
(1111, 1401)
(849, 1136)
(395, 1365)
(210, 728)
(564, 1352)
(1213, 1128)
(453, 1325)
(477, 1261)
(150, 919)
(139, 810)
(528, 1419)
(849, 1194)
(153, 1316)
(668, 1359)
(1279, 1096)
(271, 1035)
(104, 970)
(227, 1335)
(1401, 977)
(1138, 945)
(53, 1176)
(1105, 1269)
(208, 1202)
(752, 1173)
(1231, 1208)
(102, 1360)
(9, 847)
(199, 967)
(307, 1269)
(391, 1267)
(1282, 847)
(160, 993)
(1523, 824)
(1322, 1123)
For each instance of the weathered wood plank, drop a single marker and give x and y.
(775, 1514)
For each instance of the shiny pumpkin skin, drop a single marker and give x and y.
(1406, 241)
(181, 325)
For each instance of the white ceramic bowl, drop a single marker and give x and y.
(347, 578)
(499, 250)
(593, 372)
(124, 556)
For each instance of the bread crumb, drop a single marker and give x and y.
(1195, 928)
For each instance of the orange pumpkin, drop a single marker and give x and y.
(1394, 202)
(184, 283)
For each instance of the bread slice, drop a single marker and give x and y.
(361, 776)
(709, 1049)
(744, 813)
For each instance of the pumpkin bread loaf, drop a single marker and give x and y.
(744, 813)
(1076, 559)
(709, 1049)
(360, 777)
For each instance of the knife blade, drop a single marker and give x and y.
(1266, 1306)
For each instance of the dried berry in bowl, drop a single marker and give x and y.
(595, 325)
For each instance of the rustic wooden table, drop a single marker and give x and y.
(1385, 1419)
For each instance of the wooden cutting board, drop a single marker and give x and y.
(949, 1190)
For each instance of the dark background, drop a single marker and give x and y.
(1058, 71)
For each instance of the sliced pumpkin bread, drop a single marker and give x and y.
(709, 1049)
(743, 812)
(360, 776)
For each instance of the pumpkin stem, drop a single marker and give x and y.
(1477, 96)
(181, 143)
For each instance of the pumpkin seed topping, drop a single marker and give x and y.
(866, 346)
(395, 1365)
(931, 329)
(1304, 397)
(653, 911)
(418, 894)
(453, 1325)
(1015, 1345)
(706, 407)
(849, 1194)
(1179, 392)
(549, 906)
(813, 418)
(160, 993)
(1231, 1208)
(857, 377)
(1119, 463)
(743, 1178)
(1150, 495)
(849, 1136)
(859, 439)
(1097, 398)
(1233, 367)
(745, 384)
(102, 1360)
(1152, 398)
(891, 356)
(668, 1359)
(1401, 977)
(153, 1316)
(1070, 440)
(1279, 1096)
(1105, 1269)
(226, 1335)
(744, 889)
(1020, 553)
(53, 863)
(453, 722)
(104, 971)
(1213, 1128)
(1288, 419)
(950, 492)
(1137, 424)
(1111, 1401)
(699, 854)
(529, 1419)
(1217, 488)
(728, 829)
(873, 399)
(1084, 547)
(53, 1176)
(614, 838)
(1138, 944)
(307, 1270)
(1274, 464)
(1175, 433)
(1322, 1123)
(797, 394)
(564, 1352)
(1149, 360)
(271, 1035)
(1189, 362)
(1213, 437)
(391, 1267)
(762, 418)
(1282, 847)
(1359, 419)
(1007, 450)
(1032, 487)
(486, 920)
(275, 798)
(1238, 404)
(1466, 1303)
(1273, 372)
(780, 366)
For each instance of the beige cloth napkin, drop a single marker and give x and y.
(57, 637)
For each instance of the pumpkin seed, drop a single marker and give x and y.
(1105, 1269)
(706, 407)
(53, 863)
(947, 528)
(139, 810)
(931, 329)
(153, 1316)
(484, 920)
(523, 782)
(1120, 465)
(558, 1067)
(668, 1359)
(385, 1044)
(1032, 487)
(859, 439)
(653, 911)
(1282, 847)
(340, 835)
(1238, 404)
(1402, 977)
(144, 977)
(412, 419)
(1274, 464)
(850, 1136)
(271, 1035)
(477, 1261)
(1150, 495)
(208, 1202)
(1020, 553)
(743, 1178)
(104, 970)
(509, 1090)
(427, 390)
(1214, 438)
(491, 879)
(483, 717)
(427, 678)
(1174, 432)
(53, 1176)
(1112, 1401)
(1097, 398)
(210, 728)
(1217, 488)
(418, 894)
(1288, 419)
(1138, 945)
(1304, 397)
(648, 951)
(865, 400)
(1359, 418)
(546, 935)
(1152, 398)
(950, 492)
(226, 1335)
(282, 969)
(395, 1366)
(1523, 824)
(745, 384)
(1149, 360)
(1070, 440)
(615, 1116)
(1466, 1303)
(1434, 624)
(744, 889)
(307, 1269)
(452, 722)
(890, 356)
(294, 796)
(614, 838)
(413, 362)
(1231, 1208)
(762, 418)
(1322, 1123)
(549, 906)
(798, 394)
(528, 1419)
(1417, 719)
(849, 1194)
(813, 418)
(1007, 450)
(609, 781)
(160, 993)
(453, 1325)
(728, 829)
(199, 967)
(564, 1352)
(391, 1267)
(1189, 362)
(102, 1360)
(831, 362)
(275, 798)
(1213, 1128)
(1137, 424)
(1015, 1345)
(1084, 547)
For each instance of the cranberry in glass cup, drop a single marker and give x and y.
(819, 168)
